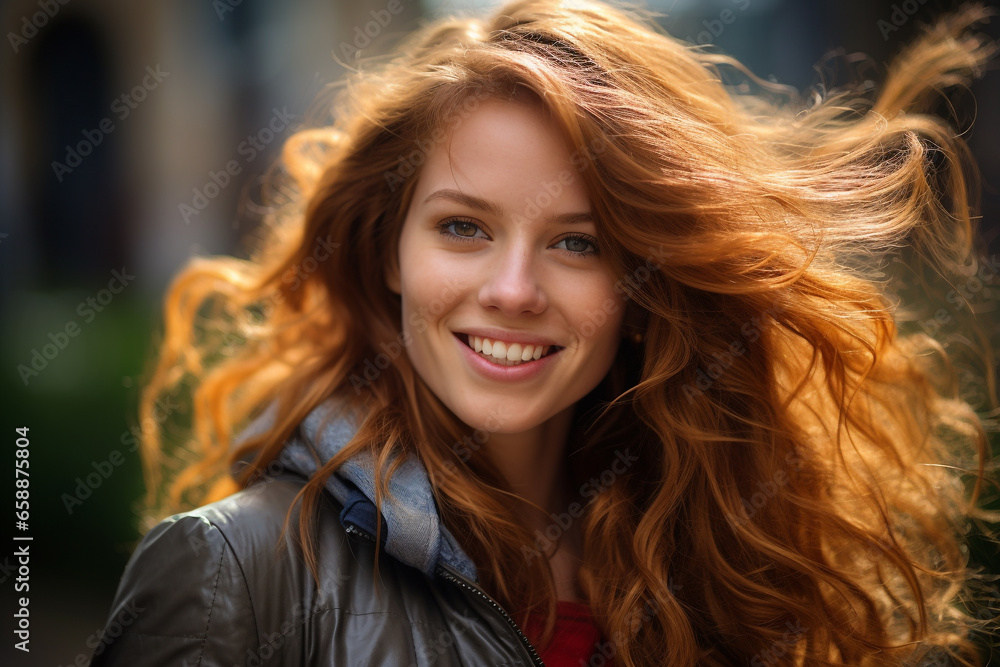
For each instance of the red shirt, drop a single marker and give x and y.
(576, 641)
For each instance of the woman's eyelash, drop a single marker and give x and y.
(446, 229)
(590, 240)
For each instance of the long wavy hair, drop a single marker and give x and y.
(800, 497)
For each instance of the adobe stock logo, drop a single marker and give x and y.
(363, 37)
(60, 340)
(561, 522)
(901, 13)
(252, 146)
(122, 107)
(38, 20)
(715, 27)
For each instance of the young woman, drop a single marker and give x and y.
(557, 348)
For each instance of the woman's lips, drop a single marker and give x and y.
(506, 353)
(505, 367)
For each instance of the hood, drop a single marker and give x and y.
(412, 531)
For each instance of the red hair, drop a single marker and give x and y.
(794, 501)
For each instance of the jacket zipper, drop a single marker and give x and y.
(462, 582)
(351, 529)
(454, 577)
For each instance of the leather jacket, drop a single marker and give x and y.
(222, 586)
(209, 588)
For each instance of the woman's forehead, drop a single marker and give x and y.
(509, 153)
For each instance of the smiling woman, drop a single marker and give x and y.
(529, 282)
(513, 339)
(559, 350)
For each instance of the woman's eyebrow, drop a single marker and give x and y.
(495, 209)
(471, 201)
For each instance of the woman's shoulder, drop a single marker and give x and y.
(202, 583)
(247, 520)
(224, 585)
(247, 526)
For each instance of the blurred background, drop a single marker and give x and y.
(130, 130)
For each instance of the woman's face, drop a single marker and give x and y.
(509, 311)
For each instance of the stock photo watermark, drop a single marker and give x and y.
(464, 448)
(767, 489)
(901, 13)
(964, 294)
(101, 639)
(432, 650)
(563, 521)
(418, 320)
(31, 25)
(223, 7)
(776, 653)
(274, 640)
(295, 276)
(59, 340)
(100, 471)
(364, 35)
(751, 330)
(716, 26)
(248, 149)
(409, 163)
(121, 107)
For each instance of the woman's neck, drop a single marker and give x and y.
(534, 465)
(534, 462)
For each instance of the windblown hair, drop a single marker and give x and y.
(797, 500)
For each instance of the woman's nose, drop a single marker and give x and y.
(512, 284)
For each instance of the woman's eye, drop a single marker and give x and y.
(581, 245)
(462, 229)
(466, 230)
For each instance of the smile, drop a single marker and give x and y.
(504, 353)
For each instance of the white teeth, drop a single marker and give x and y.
(507, 354)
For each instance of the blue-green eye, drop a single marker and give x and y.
(461, 229)
(578, 245)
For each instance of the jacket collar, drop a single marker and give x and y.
(411, 527)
